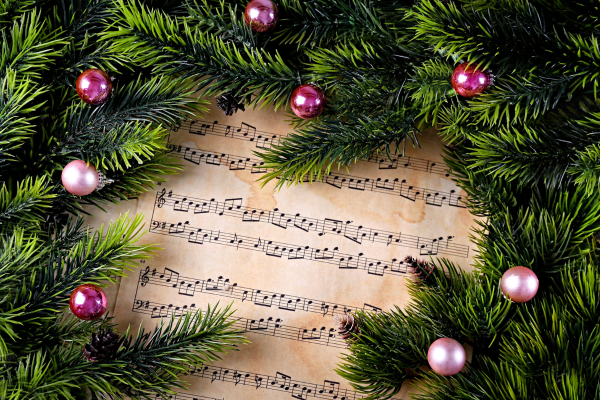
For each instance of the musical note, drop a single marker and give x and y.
(280, 382)
(265, 140)
(357, 234)
(393, 187)
(261, 326)
(277, 249)
(188, 286)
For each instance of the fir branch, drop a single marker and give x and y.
(219, 67)
(313, 151)
(220, 20)
(23, 205)
(318, 23)
(28, 48)
(16, 100)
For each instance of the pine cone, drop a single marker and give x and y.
(420, 269)
(103, 346)
(347, 325)
(229, 103)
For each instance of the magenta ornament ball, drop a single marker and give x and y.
(446, 356)
(308, 101)
(519, 284)
(261, 15)
(80, 178)
(93, 86)
(469, 82)
(88, 302)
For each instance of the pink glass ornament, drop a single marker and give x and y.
(80, 178)
(308, 101)
(446, 356)
(88, 302)
(469, 82)
(93, 86)
(261, 15)
(519, 284)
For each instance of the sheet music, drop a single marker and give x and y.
(288, 260)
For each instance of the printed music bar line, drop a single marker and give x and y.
(262, 326)
(234, 208)
(281, 382)
(283, 250)
(266, 140)
(187, 286)
(395, 187)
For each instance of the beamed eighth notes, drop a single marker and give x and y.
(262, 326)
(266, 140)
(395, 187)
(271, 248)
(353, 232)
(186, 286)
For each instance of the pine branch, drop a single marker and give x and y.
(318, 23)
(172, 47)
(220, 20)
(23, 206)
(28, 48)
(313, 151)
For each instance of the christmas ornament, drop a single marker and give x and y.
(103, 346)
(228, 103)
(88, 302)
(346, 325)
(421, 270)
(308, 101)
(519, 284)
(446, 356)
(261, 15)
(80, 178)
(93, 86)
(469, 82)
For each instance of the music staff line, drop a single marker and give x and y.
(358, 234)
(395, 187)
(186, 396)
(281, 250)
(281, 382)
(187, 286)
(262, 326)
(266, 140)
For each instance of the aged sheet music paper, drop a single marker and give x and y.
(288, 260)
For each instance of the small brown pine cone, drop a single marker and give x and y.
(103, 346)
(347, 325)
(421, 270)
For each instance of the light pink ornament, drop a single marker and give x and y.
(446, 356)
(519, 284)
(80, 178)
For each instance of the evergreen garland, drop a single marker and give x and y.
(525, 151)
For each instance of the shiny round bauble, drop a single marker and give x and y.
(469, 82)
(519, 284)
(93, 86)
(261, 15)
(88, 302)
(308, 101)
(80, 178)
(446, 356)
